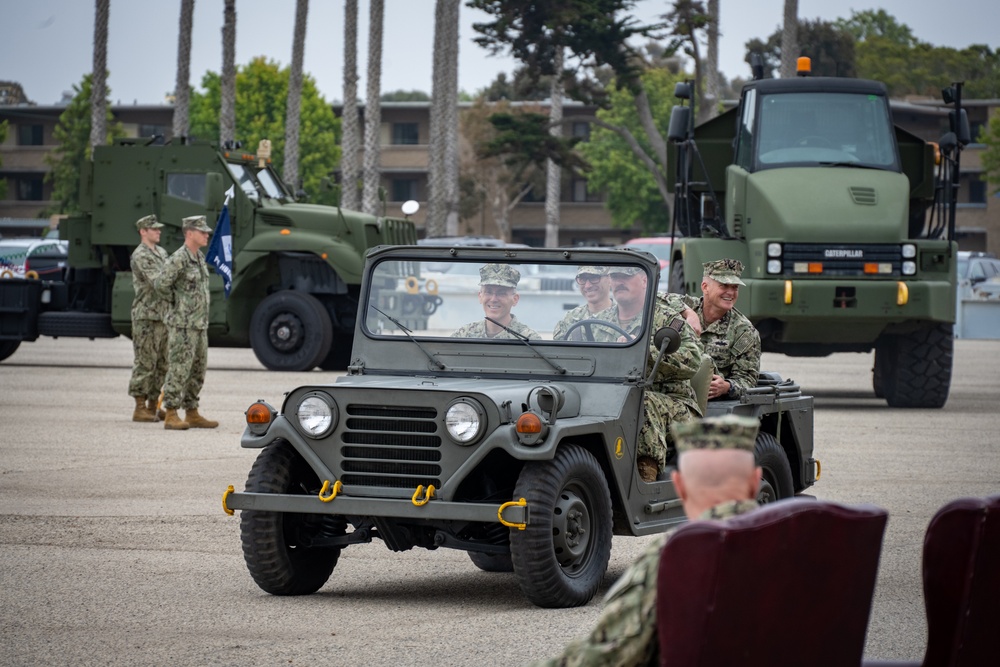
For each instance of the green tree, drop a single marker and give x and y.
(72, 137)
(261, 89)
(871, 24)
(831, 49)
(405, 96)
(990, 135)
(634, 196)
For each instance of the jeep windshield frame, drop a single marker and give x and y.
(434, 297)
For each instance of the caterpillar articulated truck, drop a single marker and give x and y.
(297, 267)
(844, 222)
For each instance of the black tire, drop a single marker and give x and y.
(273, 542)
(922, 360)
(884, 366)
(74, 324)
(8, 347)
(290, 331)
(676, 282)
(492, 562)
(339, 355)
(561, 556)
(776, 482)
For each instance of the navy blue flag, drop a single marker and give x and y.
(220, 251)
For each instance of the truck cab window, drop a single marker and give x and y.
(189, 187)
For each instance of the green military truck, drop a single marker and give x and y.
(844, 222)
(296, 266)
(521, 452)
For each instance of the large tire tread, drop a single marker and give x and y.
(310, 339)
(777, 472)
(922, 364)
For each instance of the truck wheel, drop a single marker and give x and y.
(676, 282)
(290, 331)
(884, 366)
(8, 347)
(776, 481)
(561, 556)
(921, 368)
(492, 562)
(274, 543)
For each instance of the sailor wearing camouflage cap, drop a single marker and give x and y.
(196, 223)
(148, 222)
(725, 271)
(497, 295)
(595, 286)
(149, 331)
(717, 478)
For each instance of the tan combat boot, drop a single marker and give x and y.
(647, 468)
(195, 420)
(151, 406)
(141, 414)
(173, 422)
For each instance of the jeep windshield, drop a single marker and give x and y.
(510, 298)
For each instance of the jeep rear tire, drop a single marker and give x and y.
(562, 554)
(290, 331)
(776, 480)
(275, 543)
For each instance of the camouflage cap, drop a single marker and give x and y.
(626, 270)
(148, 222)
(726, 432)
(593, 270)
(725, 271)
(196, 222)
(503, 275)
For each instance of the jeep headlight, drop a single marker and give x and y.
(317, 415)
(465, 420)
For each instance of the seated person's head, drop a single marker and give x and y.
(721, 283)
(715, 462)
(498, 290)
(628, 285)
(594, 284)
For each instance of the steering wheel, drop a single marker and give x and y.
(587, 326)
(814, 140)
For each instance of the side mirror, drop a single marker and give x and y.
(948, 143)
(668, 335)
(682, 90)
(960, 126)
(680, 118)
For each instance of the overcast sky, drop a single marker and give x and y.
(47, 44)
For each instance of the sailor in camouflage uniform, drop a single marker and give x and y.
(149, 333)
(497, 295)
(728, 336)
(716, 478)
(595, 286)
(185, 280)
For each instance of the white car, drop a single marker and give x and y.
(33, 258)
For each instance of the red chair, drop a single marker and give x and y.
(961, 572)
(788, 584)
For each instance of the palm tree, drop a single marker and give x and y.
(98, 90)
(451, 159)
(713, 93)
(351, 141)
(373, 110)
(227, 114)
(553, 174)
(438, 186)
(789, 39)
(182, 90)
(293, 109)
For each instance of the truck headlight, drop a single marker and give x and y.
(909, 268)
(316, 414)
(774, 250)
(464, 421)
(909, 251)
(774, 266)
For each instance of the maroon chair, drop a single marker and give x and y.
(788, 584)
(961, 572)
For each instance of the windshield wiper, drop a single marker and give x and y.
(409, 334)
(524, 339)
(856, 165)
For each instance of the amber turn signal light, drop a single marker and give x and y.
(529, 422)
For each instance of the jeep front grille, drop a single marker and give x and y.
(391, 447)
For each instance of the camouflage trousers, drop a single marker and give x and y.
(149, 342)
(659, 412)
(187, 359)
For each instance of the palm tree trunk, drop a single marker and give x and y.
(294, 102)
(182, 89)
(710, 107)
(789, 39)
(351, 140)
(436, 204)
(98, 84)
(553, 174)
(227, 114)
(451, 159)
(373, 109)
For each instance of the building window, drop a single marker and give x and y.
(405, 134)
(29, 135)
(404, 189)
(579, 189)
(29, 188)
(152, 130)
(972, 189)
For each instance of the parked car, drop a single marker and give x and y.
(658, 247)
(43, 259)
(978, 275)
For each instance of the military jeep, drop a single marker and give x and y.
(517, 448)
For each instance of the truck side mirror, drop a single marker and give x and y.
(948, 143)
(682, 90)
(959, 121)
(680, 118)
(214, 192)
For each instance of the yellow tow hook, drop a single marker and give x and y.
(337, 488)
(417, 500)
(513, 503)
(225, 495)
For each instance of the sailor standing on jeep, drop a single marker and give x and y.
(728, 336)
(497, 294)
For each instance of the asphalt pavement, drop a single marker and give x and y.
(114, 549)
